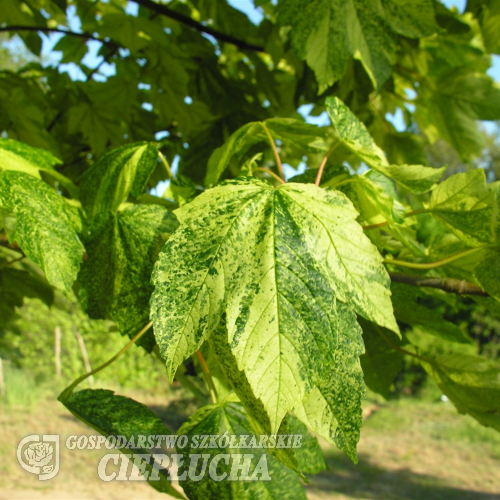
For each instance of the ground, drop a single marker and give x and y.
(409, 450)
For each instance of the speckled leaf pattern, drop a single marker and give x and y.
(327, 33)
(309, 456)
(115, 278)
(237, 144)
(253, 406)
(191, 272)
(46, 227)
(113, 415)
(286, 265)
(353, 134)
(487, 272)
(333, 408)
(231, 418)
(15, 155)
(116, 175)
(466, 205)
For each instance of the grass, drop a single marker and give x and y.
(409, 450)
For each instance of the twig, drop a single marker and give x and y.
(272, 174)
(208, 377)
(400, 349)
(275, 150)
(188, 21)
(10, 262)
(67, 392)
(323, 163)
(438, 263)
(88, 36)
(451, 285)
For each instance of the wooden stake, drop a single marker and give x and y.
(2, 381)
(85, 355)
(57, 350)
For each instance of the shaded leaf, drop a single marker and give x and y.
(471, 383)
(112, 415)
(408, 310)
(116, 175)
(328, 33)
(15, 155)
(115, 279)
(354, 135)
(230, 418)
(181, 189)
(46, 226)
(381, 362)
(465, 204)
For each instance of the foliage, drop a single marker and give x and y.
(285, 294)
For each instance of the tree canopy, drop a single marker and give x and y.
(274, 257)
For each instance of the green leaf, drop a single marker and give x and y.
(230, 418)
(119, 173)
(327, 33)
(381, 362)
(451, 104)
(471, 383)
(279, 262)
(405, 148)
(305, 137)
(487, 272)
(236, 146)
(353, 134)
(465, 204)
(73, 49)
(309, 456)
(181, 189)
(259, 418)
(333, 408)
(115, 279)
(369, 199)
(489, 16)
(15, 155)
(15, 284)
(416, 178)
(98, 124)
(309, 138)
(112, 415)
(46, 226)
(408, 310)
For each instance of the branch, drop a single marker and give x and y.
(449, 285)
(188, 21)
(55, 30)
